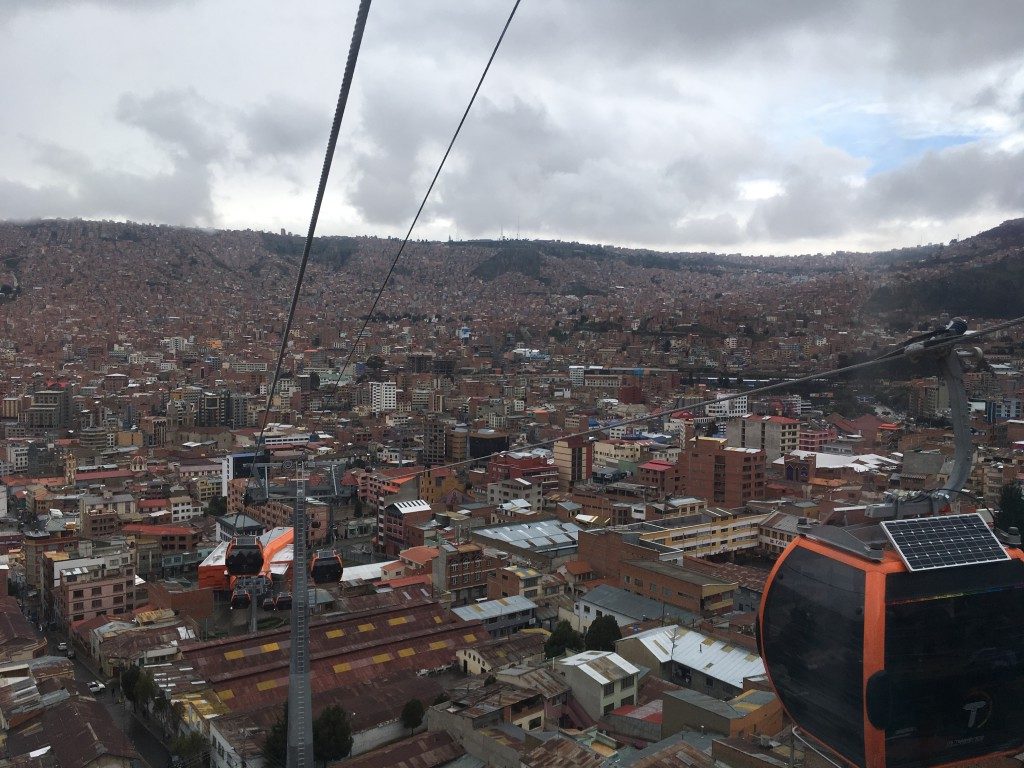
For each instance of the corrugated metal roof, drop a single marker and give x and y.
(602, 666)
(251, 671)
(492, 609)
(715, 658)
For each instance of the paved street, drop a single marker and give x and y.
(147, 745)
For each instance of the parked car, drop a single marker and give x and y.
(62, 647)
(97, 687)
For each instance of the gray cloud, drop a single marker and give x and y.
(638, 123)
(283, 125)
(181, 120)
(955, 182)
(181, 196)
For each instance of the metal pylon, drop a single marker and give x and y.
(300, 698)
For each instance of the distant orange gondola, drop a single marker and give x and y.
(326, 567)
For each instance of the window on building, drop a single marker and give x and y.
(535, 723)
(626, 683)
(78, 593)
(97, 603)
(609, 689)
(608, 708)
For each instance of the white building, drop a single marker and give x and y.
(600, 680)
(383, 396)
(17, 455)
(729, 409)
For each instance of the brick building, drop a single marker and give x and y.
(694, 592)
(664, 476)
(172, 538)
(574, 459)
(399, 517)
(723, 475)
(463, 571)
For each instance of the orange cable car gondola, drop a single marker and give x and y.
(900, 643)
(244, 556)
(895, 668)
(325, 567)
(241, 598)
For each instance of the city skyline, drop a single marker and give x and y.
(858, 128)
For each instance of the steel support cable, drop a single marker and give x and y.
(423, 202)
(339, 112)
(952, 341)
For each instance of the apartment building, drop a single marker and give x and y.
(398, 519)
(383, 397)
(86, 587)
(517, 489)
(463, 571)
(514, 580)
(694, 592)
(712, 532)
(775, 435)
(574, 460)
(725, 476)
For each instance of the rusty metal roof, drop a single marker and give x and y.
(425, 750)
(252, 671)
(561, 752)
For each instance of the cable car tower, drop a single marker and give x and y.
(899, 642)
(244, 559)
(300, 695)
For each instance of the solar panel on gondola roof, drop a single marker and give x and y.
(928, 543)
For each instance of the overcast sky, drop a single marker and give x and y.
(758, 127)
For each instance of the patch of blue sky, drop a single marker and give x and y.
(879, 139)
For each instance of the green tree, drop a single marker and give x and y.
(146, 689)
(602, 634)
(563, 639)
(332, 734)
(1011, 508)
(412, 714)
(218, 506)
(189, 746)
(129, 681)
(275, 745)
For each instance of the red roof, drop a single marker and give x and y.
(158, 530)
(419, 555)
(657, 465)
(104, 474)
(578, 567)
(408, 581)
(773, 419)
